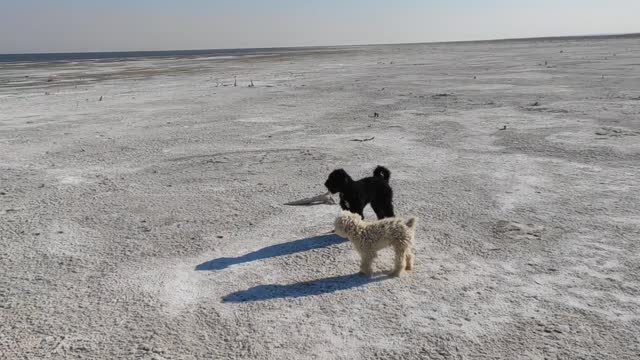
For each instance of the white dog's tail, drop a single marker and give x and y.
(411, 223)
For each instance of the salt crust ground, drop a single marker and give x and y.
(150, 224)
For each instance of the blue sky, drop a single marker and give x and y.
(110, 25)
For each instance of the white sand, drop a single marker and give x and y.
(150, 224)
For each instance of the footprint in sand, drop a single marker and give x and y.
(71, 180)
(519, 231)
(613, 132)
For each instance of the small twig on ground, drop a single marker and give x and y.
(363, 140)
(316, 200)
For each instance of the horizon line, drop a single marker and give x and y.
(558, 37)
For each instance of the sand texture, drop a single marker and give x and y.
(142, 204)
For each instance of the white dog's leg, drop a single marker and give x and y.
(410, 260)
(366, 265)
(400, 263)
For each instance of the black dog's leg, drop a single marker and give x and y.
(379, 210)
(352, 208)
(357, 208)
(383, 207)
(344, 205)
(359, 211)
(387, 203)
(389, 210)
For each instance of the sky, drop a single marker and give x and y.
(129, 25)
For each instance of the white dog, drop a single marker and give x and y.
(370, 237)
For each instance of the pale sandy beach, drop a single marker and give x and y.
(142, 204)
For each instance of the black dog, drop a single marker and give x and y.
(355, 195)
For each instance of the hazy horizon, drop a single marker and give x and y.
(36, 26)
(334, 45)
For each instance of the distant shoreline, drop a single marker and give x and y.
(132, 55)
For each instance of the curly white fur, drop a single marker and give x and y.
(370, 237)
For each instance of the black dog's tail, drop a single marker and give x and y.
(382, 172)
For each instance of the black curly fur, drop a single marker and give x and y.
(355, 195)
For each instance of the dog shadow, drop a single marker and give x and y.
(287, 248)
(301, 289)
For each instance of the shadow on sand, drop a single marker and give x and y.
(288, 248)
(301, 289)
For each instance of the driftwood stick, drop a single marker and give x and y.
(320, 199)
(363, 140)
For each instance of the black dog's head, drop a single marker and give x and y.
(337, 180)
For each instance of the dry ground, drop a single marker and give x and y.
(151, 224)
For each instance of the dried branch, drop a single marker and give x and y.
(363, 140)
(316, 200)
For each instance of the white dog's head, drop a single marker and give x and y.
(347, 224)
